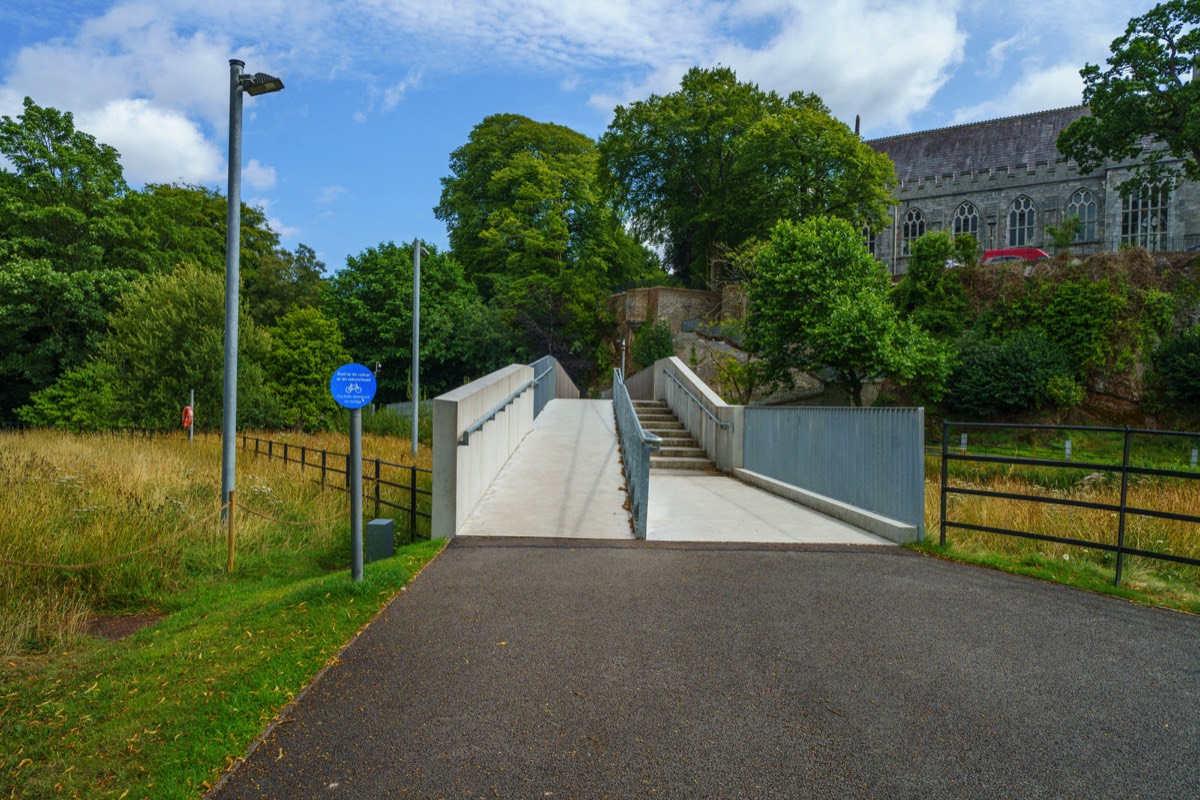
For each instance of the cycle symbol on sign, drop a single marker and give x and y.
(353, 388)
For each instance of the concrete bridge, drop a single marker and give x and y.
(518, 453)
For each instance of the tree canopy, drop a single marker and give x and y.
(371, 300)
(74, 238)
(523, 198)
(528, 217)
(703, 170)
(929, 294)
(1145, 105)
(820, 303)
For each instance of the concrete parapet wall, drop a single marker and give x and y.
(462, 473)
(890, 529)
(723, 445)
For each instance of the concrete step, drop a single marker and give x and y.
(680, 452)
(649, 403)
(675, 429)
(646, 419)
(678, 441)
(657, 462)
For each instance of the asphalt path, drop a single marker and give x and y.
(540, 669)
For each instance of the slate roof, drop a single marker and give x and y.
(1023, 140)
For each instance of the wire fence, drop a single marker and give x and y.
(383, 481)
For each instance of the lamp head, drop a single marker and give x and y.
(260, 83)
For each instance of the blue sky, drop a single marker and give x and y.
(379, 92)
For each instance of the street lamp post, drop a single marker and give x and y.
(415, 388)
(259, 83)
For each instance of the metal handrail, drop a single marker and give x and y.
(652, 439)
(465, 439)
(704, 408)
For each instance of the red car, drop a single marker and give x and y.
(1013, 254)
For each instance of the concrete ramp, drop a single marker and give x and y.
(692, 506)
(564, 480)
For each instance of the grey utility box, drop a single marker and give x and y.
(380, 540)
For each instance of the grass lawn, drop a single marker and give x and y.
(163, 713)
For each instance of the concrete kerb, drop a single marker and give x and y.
(890, 529)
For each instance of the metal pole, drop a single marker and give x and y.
(623, 358)
(945, 474)
(416, 346)
(1124, 501)
(233, 226)
(232, 528)
(192, 405)
(412, 503)
(354, 467)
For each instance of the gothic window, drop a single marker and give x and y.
(1083, 205)
(869, 238)
(966, 220)
(1022, 220)
(914, 228)
(1144, 218)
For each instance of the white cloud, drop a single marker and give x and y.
(865, 56)
(259, 177)
(285, 231)
(1037, 90)
(157, 145)
(330, 194)
(394, 94)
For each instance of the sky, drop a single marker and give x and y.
(379, 92)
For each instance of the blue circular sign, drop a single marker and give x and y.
(352, 386)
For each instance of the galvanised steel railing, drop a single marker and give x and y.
(870, 458)
(726, 425)
(636, 446)
(551, 382)
(1122, 510)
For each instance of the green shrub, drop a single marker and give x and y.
(1011, 375)
(1177, 364)
(652, 343)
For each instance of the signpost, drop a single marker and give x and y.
(352, 387)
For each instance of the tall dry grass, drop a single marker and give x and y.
(68, 499)
(1081, 524)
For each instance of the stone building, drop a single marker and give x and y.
(1004, 181)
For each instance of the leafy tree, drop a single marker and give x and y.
(50, 321)
(166, 338)
(371, 301)
(523, 199)
(180, 223)
(653, 343)
(564, 316)
(57, 201)
(820, 302)
(306, 349)
(84, 398)
(705, 169)
(528, 218)
(1146, 91)
(929, 294)
(1062, 235)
